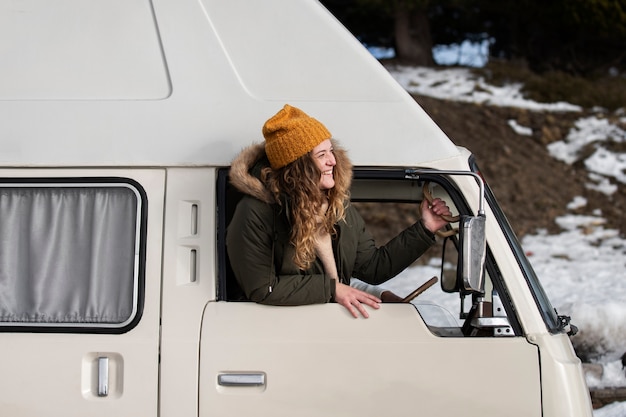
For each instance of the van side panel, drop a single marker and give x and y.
(77, 50)
(188, 284)
(49, 373)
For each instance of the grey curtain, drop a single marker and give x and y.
(68, 255)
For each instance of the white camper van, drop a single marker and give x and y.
(118, 122)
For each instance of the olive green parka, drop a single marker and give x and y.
(261, 255)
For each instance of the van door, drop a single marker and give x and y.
(319, 361)
(406, 358)
(80, 262)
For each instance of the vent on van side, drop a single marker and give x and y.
(71, 254)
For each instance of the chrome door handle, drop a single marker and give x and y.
(248, 379)
(103, 376)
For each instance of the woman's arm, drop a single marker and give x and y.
(376, 265)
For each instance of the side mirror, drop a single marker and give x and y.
(472, 250)
(471, 243)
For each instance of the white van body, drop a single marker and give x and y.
(152, 100)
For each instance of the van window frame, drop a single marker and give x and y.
(139, 256)
(225, 191)
(461, 204)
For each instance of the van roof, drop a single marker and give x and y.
(188, 82)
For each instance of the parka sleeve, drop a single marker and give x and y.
(376, 265)
(250, 239)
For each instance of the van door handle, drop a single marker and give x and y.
(248, 379)
(103, 376)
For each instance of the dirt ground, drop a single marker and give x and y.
(531, 186)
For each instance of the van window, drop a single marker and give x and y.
(388, 200)
(71, 254)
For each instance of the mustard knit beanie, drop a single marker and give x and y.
(290, 134)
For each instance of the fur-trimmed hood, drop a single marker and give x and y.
(246, 168)
(241, 173)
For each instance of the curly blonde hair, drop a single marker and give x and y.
(299, 181)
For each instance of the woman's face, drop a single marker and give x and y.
(324, 157)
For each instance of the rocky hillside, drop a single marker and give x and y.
(531, 186)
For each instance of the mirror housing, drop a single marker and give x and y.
(472, 252)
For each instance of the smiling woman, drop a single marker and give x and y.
(295, 239)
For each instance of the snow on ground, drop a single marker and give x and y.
(597, 133)
(582, 269)
(462, 85)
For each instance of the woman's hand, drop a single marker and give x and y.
(431, 214)
(353, 299)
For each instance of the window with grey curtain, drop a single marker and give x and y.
(69, 255)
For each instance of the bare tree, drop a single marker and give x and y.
(413, 39)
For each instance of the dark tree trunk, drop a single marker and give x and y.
(412, 34)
